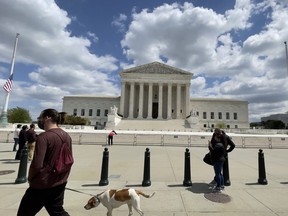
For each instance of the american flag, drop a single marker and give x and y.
(8, 85)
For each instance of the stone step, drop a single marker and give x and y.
(133, 124)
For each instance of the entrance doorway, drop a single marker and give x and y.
(155, 110)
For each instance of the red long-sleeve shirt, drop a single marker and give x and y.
(48, 145)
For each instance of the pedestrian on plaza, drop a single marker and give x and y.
(46, 186)
(229, 148)
(31, 141)
(110, 137)
(22, 141)
(217, 147)
(16, 136)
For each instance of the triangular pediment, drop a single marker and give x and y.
(155, 68)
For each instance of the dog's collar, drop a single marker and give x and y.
(97, 198)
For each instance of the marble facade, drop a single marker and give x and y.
(157, 91)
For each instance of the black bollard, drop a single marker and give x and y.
(187, 169)
(226, 172)
(261, 168)
(22, 172)
(146, 176)
(104, 171)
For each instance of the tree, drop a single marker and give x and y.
(18, 115)
(76, 120)
(221, 125)
(273, 124)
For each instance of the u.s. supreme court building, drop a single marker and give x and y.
(158, 92)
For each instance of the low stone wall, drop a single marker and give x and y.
(165, 138)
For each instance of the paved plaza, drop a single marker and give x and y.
(243, 197)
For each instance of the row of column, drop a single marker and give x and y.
(131, 99)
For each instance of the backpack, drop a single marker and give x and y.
(64, 161)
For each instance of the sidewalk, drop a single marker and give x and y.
(244, 197)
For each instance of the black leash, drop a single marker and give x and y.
(79, 191)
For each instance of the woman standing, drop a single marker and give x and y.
(217, 147)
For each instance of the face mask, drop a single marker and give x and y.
(40, 124)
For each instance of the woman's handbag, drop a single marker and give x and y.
(207, 159)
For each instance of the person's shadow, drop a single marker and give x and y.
(206, 189)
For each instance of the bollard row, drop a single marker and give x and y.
(22, 172)
(187, 169)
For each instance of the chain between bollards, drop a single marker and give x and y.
(104, 171)
(22, 172)
(187, 169)
(146, 175)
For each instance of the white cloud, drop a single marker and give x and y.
(246, 64)
(204, 42)
(119, 22)
(92, 35)
(64, 65)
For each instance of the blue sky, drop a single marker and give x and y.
(234, 48)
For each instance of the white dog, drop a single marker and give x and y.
(114, 198)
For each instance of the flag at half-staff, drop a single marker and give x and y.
(8, 85)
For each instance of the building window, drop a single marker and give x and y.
(228, 126)
(204, 125)
(98, 112)
(197, 113)
(90, 112)
(219, 115)
(227, 115)
(106, 112)
(204, 115)
(235, 116)
(75, 112)
(236, 126)
(212, 115)
(82, 112)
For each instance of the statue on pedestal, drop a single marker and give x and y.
(193, 113)
(114, 110)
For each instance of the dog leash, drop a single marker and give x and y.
(77, 191)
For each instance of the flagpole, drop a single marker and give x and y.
(286, 55)
(3, 118)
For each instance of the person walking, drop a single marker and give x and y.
(16, 136)
(22, 141)
(31, 141)
(110, 137)
(47, 187)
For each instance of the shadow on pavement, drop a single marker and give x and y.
(199, 188)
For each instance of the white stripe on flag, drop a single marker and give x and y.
(8, 85)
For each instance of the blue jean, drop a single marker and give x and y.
(218, 166)
(16, 142)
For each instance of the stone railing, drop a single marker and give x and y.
(161, 138)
